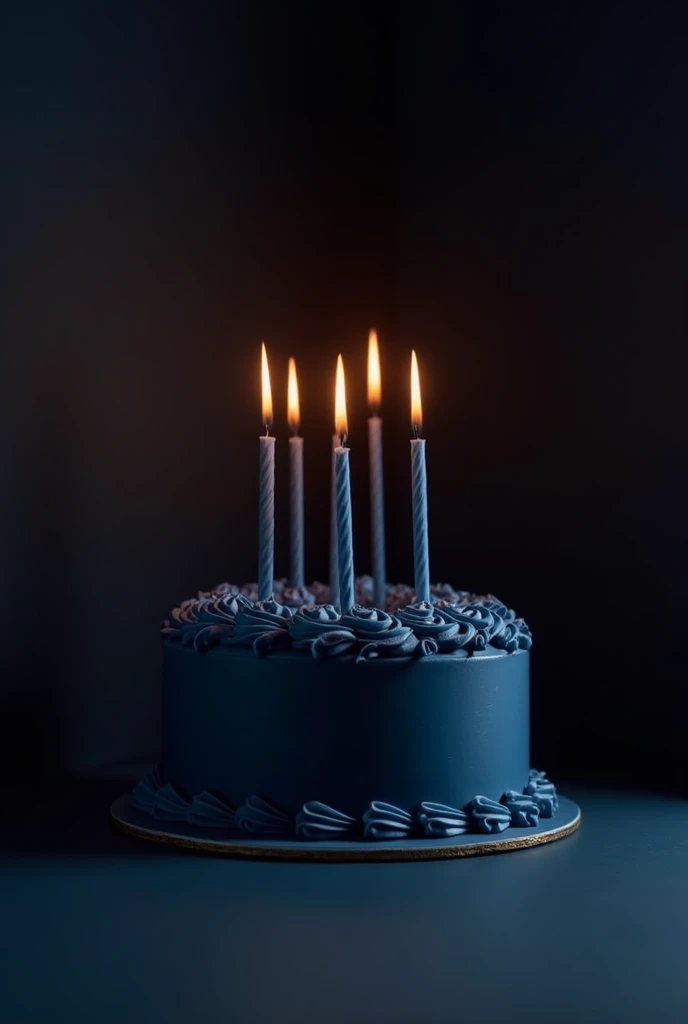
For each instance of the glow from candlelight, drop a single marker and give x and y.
(340, 422)
(416, 405)
(267, 390)
(374, 377)
(293, 408)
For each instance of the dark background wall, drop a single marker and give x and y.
(502, 187)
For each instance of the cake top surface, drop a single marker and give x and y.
(302, 619)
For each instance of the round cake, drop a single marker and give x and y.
(285, 718)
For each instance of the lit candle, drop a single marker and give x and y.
(343, 497)
(334, 553)
(377, 501)
(296, 573)
(420, 491)
(266, 491)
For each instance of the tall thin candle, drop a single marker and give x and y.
(296, 553)
(420, 491)
(334, 552)
(343, 497)
(266, 491)
(377, 506)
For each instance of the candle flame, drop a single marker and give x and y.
(416, 405)
(293, 408)
(340, 423)
(374, 376)
(267, 390)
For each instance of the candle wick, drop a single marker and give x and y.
(416, 431)
(342, 440)
(267, 429)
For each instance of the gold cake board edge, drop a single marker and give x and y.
(244, 848)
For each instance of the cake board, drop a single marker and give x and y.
(205, 840)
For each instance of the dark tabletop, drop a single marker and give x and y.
(100, 927)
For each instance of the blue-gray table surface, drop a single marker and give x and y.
(100, 927)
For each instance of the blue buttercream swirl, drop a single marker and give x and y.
(525, 637)
(258, 817)
(146, 790)
(378, 633)
(516, 634)
(523, 809)
(209, 811)
(453, 620)
(385, 821)
(158, 798)
(170, 804)
(369, 631)
(484, 622)
(431, 622)
(318, 821)
(263, 625)
(543, 793)
(507, 639)
(440, 822)
(488, 816)
(319, 630)
(205, 621)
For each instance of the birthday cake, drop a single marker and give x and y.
(361, 716)
(284, 718)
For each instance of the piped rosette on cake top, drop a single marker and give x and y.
(302, 619)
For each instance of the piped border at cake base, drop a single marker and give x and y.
(202, 840)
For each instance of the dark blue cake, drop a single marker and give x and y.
(286, 719)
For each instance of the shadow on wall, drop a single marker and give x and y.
(200, 186)
(483, 189)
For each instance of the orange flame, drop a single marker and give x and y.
(267, 390)
(293, 407)
(374, 376)
(340, 421)
(416, 404)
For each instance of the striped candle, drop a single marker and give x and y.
(334, 552)
(419, 487)
(345, 550)
(266, 518)
(377, 505)
(266, 491)
(296, 553)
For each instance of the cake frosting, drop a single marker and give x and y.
(285, 718)
(260, 817)
(453, 620)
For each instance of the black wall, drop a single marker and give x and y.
(502, 187)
